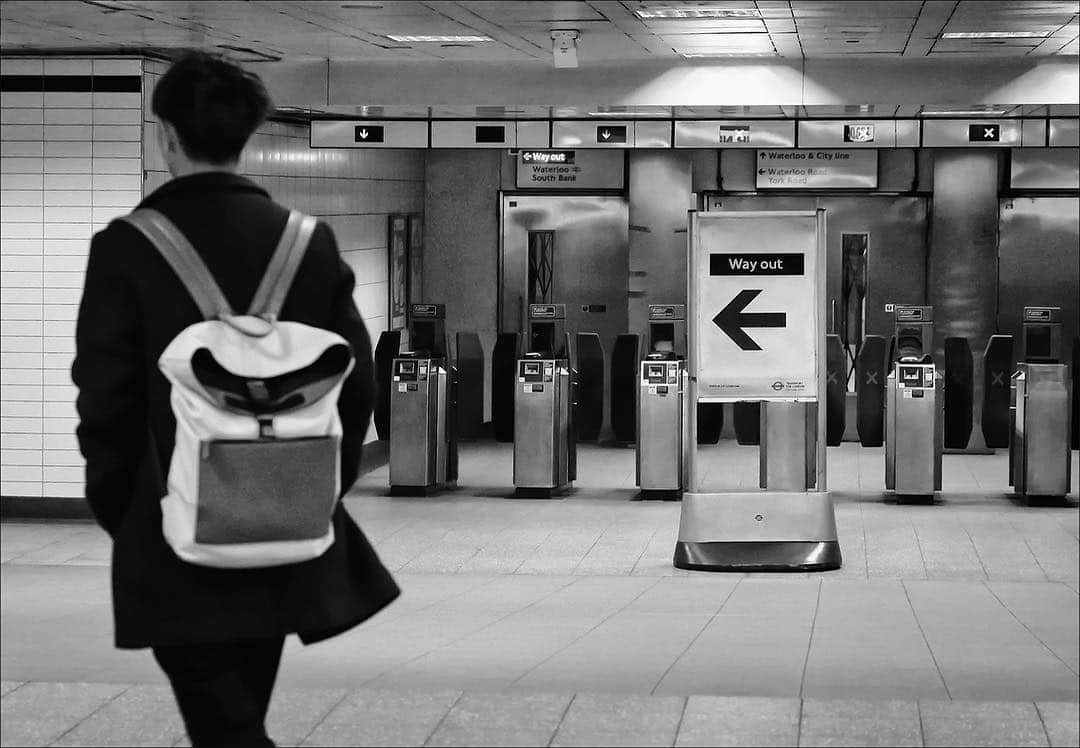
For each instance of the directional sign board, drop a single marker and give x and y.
(816, 169)
(757, 296)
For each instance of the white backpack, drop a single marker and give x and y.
(254, 477)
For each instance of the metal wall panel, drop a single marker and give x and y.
(652, 134)
(533, 134)
(962, 268)
(908, 133)
(1039, 261)
(396, 133)
(954, 133)
(1045, 169)
(1065, 133)
(711, 133)
(831, 133)
(469, 133)
(1033, 133)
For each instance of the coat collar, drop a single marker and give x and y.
(204, 182)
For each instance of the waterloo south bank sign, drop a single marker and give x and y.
(571, 169)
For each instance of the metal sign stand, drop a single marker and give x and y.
(757, 333)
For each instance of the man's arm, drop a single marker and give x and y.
(108, 371)
(358, 391)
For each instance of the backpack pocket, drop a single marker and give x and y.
(261, 490)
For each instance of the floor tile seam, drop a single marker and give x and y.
(865, 544)
(926, 640)
(975, 547)
(434, 730)
(690, 644)
(587, 552)
(918, 544)
(644, 550)
(1033, 556)
(1042, 721)
(1027, 628)
(682, 716)
(810, 639)
(534, 549)
(798, 723)
(425, 548)
(578, 638)
(91, 713)
(318, 723)
(454, 641)
(562, 719)
(922, 728)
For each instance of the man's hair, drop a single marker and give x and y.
(214, 105)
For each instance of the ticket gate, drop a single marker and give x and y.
(545, 448)
(1040, 409)
(423, 438)
(914, 408)
(660, 418)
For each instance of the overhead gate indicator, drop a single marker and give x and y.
(756, 324)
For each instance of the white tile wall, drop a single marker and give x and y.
(69, 163)
(58, 187)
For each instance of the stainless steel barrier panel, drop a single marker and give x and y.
(756, 323)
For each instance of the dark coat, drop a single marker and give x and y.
(133, 305)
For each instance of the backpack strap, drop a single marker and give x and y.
(183, 259)
(279, 275)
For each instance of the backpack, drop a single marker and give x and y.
(255, 474)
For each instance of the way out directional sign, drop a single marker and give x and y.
(756, 304)
(368, 133)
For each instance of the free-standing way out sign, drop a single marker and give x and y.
(817, 169)
(758, 307)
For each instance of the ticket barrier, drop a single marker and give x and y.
(660, 420)
(1040, 409)
(914, 408)
(545, 447)
(423, 434)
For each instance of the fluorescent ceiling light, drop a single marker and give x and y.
(692, 55)
(444, 38)
(683, 12)
(994, 34)
(964, 113)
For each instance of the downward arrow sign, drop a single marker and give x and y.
(605, 134)
(363, 134)
(732, 319)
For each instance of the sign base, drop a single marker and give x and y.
(757, 531)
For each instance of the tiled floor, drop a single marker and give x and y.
(563, 621)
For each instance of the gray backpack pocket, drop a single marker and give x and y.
(266, 490)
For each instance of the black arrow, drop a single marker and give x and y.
(732, 319)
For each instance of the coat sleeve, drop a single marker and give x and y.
(358, 392)
(108, 372)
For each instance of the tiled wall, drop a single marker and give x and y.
(71, 162)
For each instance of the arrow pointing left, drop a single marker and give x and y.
(732, 319)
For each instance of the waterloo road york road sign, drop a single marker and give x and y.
(757, 312)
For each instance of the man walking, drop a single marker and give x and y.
(217, 633)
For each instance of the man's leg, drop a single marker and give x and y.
(223, 689)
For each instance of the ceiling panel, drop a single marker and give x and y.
(609, 29)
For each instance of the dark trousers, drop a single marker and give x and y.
(223, 690)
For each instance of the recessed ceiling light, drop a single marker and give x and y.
(439, 38)
(995, 34)
(684, 12)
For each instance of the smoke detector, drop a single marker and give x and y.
(564, 47)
